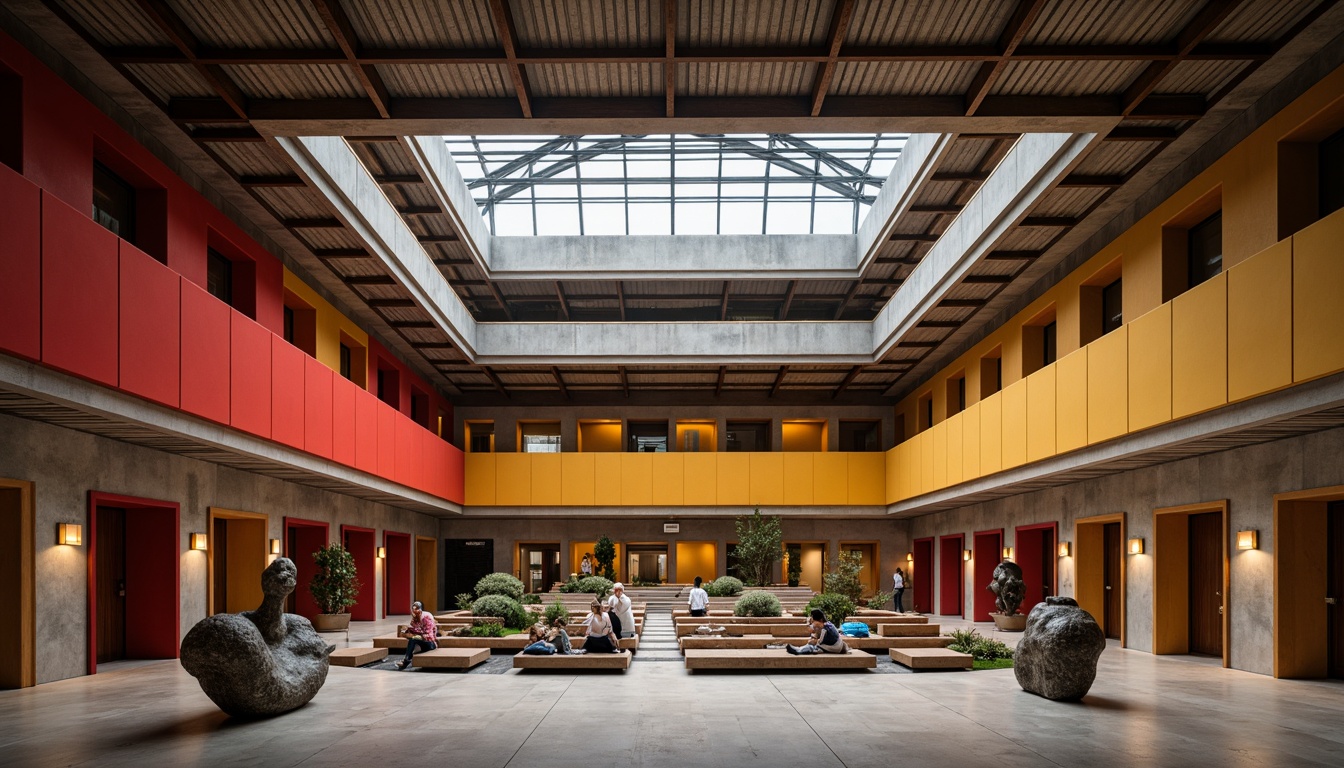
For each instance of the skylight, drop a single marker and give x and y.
(684, 184)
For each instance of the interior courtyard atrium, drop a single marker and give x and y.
(552, 289)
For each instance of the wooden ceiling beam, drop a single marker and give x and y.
(176, 30)
(1205, 21)
(508, 36)
(849, 379)
(788, 301)
(779, 380)
(835, 37)
(338, 24)
(1023, 15)
(669, 64)
(625, 380)
(560, 380)
(560, 294)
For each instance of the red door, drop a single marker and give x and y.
(950, 575)
(988, 550)
(397, 574)
(923, 575)
(359, 542)
(1035, 552)
(302, 539)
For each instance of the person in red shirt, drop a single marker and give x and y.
(421, 635)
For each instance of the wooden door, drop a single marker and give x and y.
(110, 556)
(1335, 586)
(1113, 549)
(1206, 583)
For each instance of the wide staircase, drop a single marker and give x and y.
(658, 641)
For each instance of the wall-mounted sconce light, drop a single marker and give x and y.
(382, 553)
(966, 555)
(70, 533)
(1136, 545)
(1007, 553)
(1064, 549)
(275, 546)
(909, 557)
(1248, 540)
(199, 542)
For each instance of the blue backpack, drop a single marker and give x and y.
(854, 629)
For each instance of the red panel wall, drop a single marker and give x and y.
(950, 577)
(317, 408)
(387, 443)
(20, 266)
(360, 543)
(987, 551)
(397, 573)
(151, 315)
(287, 393)
(152, 583)
(366, 431)
(410, 450)
(79, 293)
(205, 354)
(249, 375)
(342, 420)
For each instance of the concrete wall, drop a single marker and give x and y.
(65, 465)
(1247, 477)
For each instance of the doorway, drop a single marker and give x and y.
(397, 574)
(812, 558)
(427, 572)
(869, 563)
(302, 539)
(951, 576)
(538, 566)
(923, 575)
(359, 542)
(465, 561)
(646, 563)
(237, 556)
(1034, 552)
(134, 598)
(1099, 571)
(1190, 570)
(18, 659)
(1334, 592)
(1112, 563)
(986, 553)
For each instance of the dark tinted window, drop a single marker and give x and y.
(1049, 345)
(1206, 249)
(748, 435)
(113, 202)
(345, 362)
(961, 394)
(289, 325)
(219, 276)
(1112, 315)
(1331, 174)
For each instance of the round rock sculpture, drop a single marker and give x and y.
(1008, 587)
(1057, 656)
(259, 663)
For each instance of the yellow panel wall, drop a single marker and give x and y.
(1015, 424)
(970, 437)
(798, 481)
(578, 480)
(866, 473)
(330, 323)
(734, 478)
(701, 479)
(695, 558)
(767, 479)
(1041, 414)
(926, 462)
(1260, 323)
(607, 479)
(1318, 284)
(955, 448)
(669, 478)
(1199, 348)
(1108, 386)
(830, 484)
(479, 479)
(991, 434)
(1071, 401)
(513, 479)
(939, 443)
(636, 479)
(1150, 369)
(546, 480)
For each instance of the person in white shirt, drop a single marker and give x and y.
(699, 599)
(622, 613)
(598, 637)
(898, 587)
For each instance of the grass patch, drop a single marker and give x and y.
(993, 664)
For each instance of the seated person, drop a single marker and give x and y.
(421, 635)
(599, 638)
(536, 641)
(559, 637)
(825, 638)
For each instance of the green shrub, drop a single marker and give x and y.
(724, 586)
(836, 607)
(879, 599)
(500, 584)
(963, 639)
(531, 599)
(594, 585)
(980, 647)
(554, 611)
(505, 608)
(335, 585)
(488, 630)
(571, 586)
(464, 601)
(758, 604)
(844, 580)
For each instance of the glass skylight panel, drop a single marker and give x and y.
(675, 184)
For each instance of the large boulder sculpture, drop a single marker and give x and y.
(259, 663)
(1057, 656)
(1008, 587)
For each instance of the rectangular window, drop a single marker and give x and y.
(113, 202)
(860, 436)
(1205, 252)
(345, 363)
(11, 119)
(480, 437)
(1112, 311)
(924, 411)
(289, 325)
(388, 385)
(420, 408)
(646, 437)
(956, 393)
(748, 435)
(539, 437)
(991, 373)
(1049, 344)
(1330, 174)
(219, 276)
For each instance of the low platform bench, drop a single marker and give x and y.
(576, 661)
(767, 659)
(932, 658)
(450, 658)
(356, 657)
(873, 644)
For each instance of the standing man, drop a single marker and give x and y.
(421, 635)
(898, 587)
(699, 599)
(622, 614)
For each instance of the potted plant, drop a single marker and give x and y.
(1008, 589)
(334, 587)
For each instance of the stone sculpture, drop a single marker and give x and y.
(1057, 656)
(259, 663)
(1008, 587)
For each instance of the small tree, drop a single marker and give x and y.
(795, 574)
(335, 585)
(844, 580)
(604, 552)
(760, 544)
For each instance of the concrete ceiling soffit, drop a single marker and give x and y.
(445, 182)
(920, 157)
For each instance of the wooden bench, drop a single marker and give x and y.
(576, 661)
(450, 658)
(932, 658)
(398, 642)
(870, 644)
(771, 659)
(874, 622)
(908, 630)
(733, 628)
(356, 657)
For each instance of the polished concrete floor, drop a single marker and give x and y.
(1143, 710)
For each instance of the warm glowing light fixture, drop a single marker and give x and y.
(70, 533)
(199, 542)
(1136, 545)
(382, 553)
(275, 546)
(1064, 549)
(1007, 553)
(909, 557)
(966, 555)
(1248, 540)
